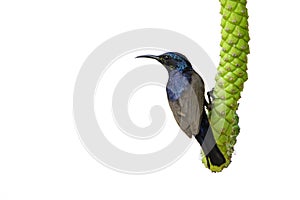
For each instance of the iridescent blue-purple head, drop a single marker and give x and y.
(171, 61)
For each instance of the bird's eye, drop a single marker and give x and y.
(166, 57)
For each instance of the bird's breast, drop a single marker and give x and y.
(176, 85)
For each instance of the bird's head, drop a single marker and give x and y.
(171, 61)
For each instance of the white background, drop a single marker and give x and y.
(42, 47)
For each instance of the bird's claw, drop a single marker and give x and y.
(211, 97)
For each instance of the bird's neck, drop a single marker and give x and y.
(177, 83)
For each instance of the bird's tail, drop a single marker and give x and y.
(207, 141)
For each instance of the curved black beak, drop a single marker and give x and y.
(149, 56)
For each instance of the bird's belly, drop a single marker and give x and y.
(187, 114)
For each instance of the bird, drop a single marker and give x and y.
(186, 96)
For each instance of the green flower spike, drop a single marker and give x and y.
(232, 73)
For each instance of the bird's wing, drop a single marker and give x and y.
(188, 109)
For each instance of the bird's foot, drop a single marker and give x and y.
(211, 97)
(208, 105)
